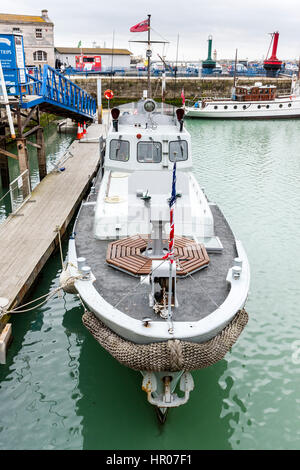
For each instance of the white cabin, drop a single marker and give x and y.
(141, 149)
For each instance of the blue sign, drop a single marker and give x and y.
(12, 59)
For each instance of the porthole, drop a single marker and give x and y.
(225, 107)
(267, 106)
(244, 106)
(235, 106)
(259, 106)
(215, 107)
(289, 105)
(280, 106)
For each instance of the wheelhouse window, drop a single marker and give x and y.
(38, 33)
(149, 152)
(178, 150)
(16, 30)
(40, 56)
(119, 150)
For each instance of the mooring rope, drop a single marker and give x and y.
(47, 296)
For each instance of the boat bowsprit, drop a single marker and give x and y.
(162, 276)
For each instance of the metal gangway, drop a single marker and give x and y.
(56, 94)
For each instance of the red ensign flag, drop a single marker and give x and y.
(140, 27)
(182, 96)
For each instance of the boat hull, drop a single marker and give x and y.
(277, 109)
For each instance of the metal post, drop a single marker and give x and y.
(235, 64)
(163, 86)
(41, 153)
(148, 56)
(6, 102)
(23, 161)
(170, 293)
(4, 169)
(99, 100)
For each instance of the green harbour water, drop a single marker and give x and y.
(61, 390)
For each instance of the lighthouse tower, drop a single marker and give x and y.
(209, 64)
(272, 65)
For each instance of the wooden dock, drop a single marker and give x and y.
(28, 239)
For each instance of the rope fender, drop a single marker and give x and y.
(171, 355)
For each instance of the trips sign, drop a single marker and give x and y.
(12, 59)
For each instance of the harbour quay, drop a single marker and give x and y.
(131, 88)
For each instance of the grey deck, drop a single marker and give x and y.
(197, 297)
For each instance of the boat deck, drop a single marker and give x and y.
(198, 294)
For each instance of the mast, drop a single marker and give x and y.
(235, 63)
(148, 57)
(148, 53)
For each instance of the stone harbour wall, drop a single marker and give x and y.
(131, 88)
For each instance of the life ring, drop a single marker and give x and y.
(109, 94)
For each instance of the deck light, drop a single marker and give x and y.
(179, 114)
(149, 106)
(115, 112)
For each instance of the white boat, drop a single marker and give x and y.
(161, 313)
(249, 102)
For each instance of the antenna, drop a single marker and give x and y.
(176, 66)
(112, 58)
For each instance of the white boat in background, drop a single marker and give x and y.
(249, 102)
(158, 309)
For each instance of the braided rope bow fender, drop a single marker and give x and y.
(171, 355)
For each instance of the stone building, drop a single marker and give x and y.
(92, 58)
(38, 36)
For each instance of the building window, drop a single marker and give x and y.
(38, 33)
(40, 56)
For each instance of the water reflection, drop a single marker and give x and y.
(115, 412)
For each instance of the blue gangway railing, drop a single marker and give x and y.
(52, 89)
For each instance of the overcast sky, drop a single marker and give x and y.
(242, 24)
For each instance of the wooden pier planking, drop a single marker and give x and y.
(28, 239)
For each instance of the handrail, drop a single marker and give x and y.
(52, 86)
